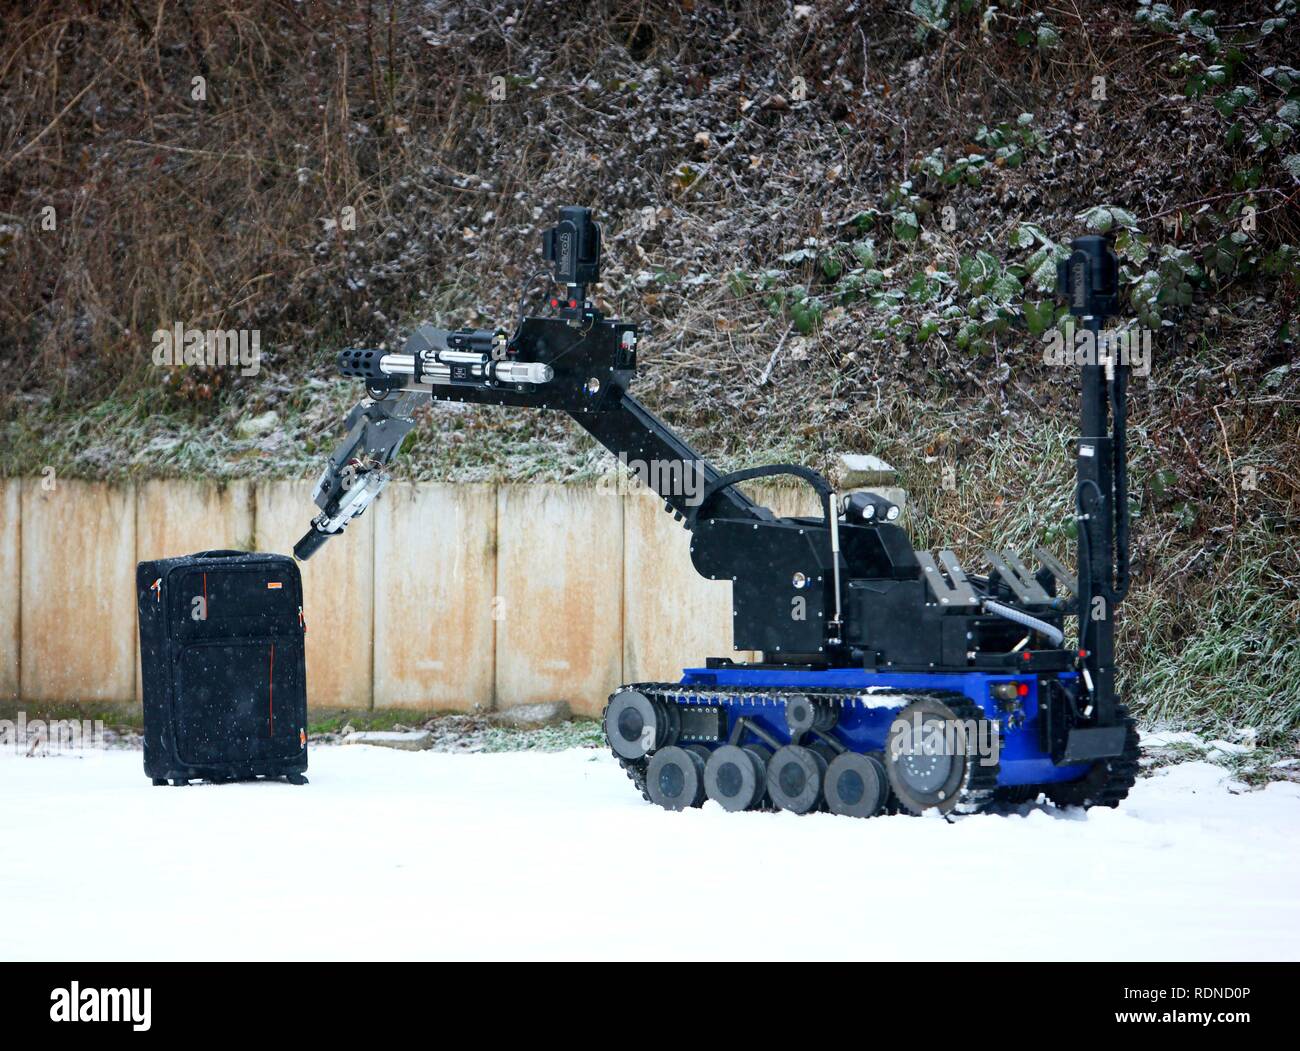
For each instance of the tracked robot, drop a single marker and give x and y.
(887, 679)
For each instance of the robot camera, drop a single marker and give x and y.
(572, 246)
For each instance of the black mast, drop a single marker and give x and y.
(1089, 279)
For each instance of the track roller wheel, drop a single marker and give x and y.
(735, 777)
(856, 785)
(940, 767)
(675, 777)
(794, 778)
(636, 725)
(803, 714)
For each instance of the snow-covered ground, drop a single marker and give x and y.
(429, 855)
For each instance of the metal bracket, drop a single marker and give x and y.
(1084, 744)
(1067, 580)
(958, 592)
(1014, 574)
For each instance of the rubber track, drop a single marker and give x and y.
(1109, 780)
(1106, 783)
(981, 783)
(977, 791)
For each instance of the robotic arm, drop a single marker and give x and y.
(357, 472)
(575, 360)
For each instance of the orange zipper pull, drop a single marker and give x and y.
(156, 588)
(302, 621)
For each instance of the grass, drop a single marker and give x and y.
(1223, 653)
(114, 716)
(467, 732)
(578, 733)
(359, 719)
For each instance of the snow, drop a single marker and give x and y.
(426, 855)
(1225, 748)
(1170, 738)
(1216, 749)
(409, 739)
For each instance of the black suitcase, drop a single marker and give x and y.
(224, 675)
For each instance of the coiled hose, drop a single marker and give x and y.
(1054, 635)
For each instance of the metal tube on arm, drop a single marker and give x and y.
(1089, 279)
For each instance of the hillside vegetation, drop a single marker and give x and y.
(840, 219)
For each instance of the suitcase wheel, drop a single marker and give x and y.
(158, 781)
(295, 779)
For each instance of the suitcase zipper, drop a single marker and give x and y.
(270, 696)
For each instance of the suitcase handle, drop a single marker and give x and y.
(219, 553)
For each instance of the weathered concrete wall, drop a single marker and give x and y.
(338, 592)
(10, 585)
(178, 518)
(560, 590)
(456, 597)
(435, 583)
(673, 618)
(78, 592)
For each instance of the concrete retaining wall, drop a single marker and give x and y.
(11, 546)
(77, 601)
(434, 595)
(453, 597)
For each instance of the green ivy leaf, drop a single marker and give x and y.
(1042, 267)
(850, 288)
(1124, 218)
(806, 313)
(923, 288)
(1039, 316)
(798, 256)
(864, 251)
(932, 163)
(1103, 218)
(863, 221)
(1004, 288)
(1098, 219)
(739, 282)
(906, 226)
(1232, 100)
